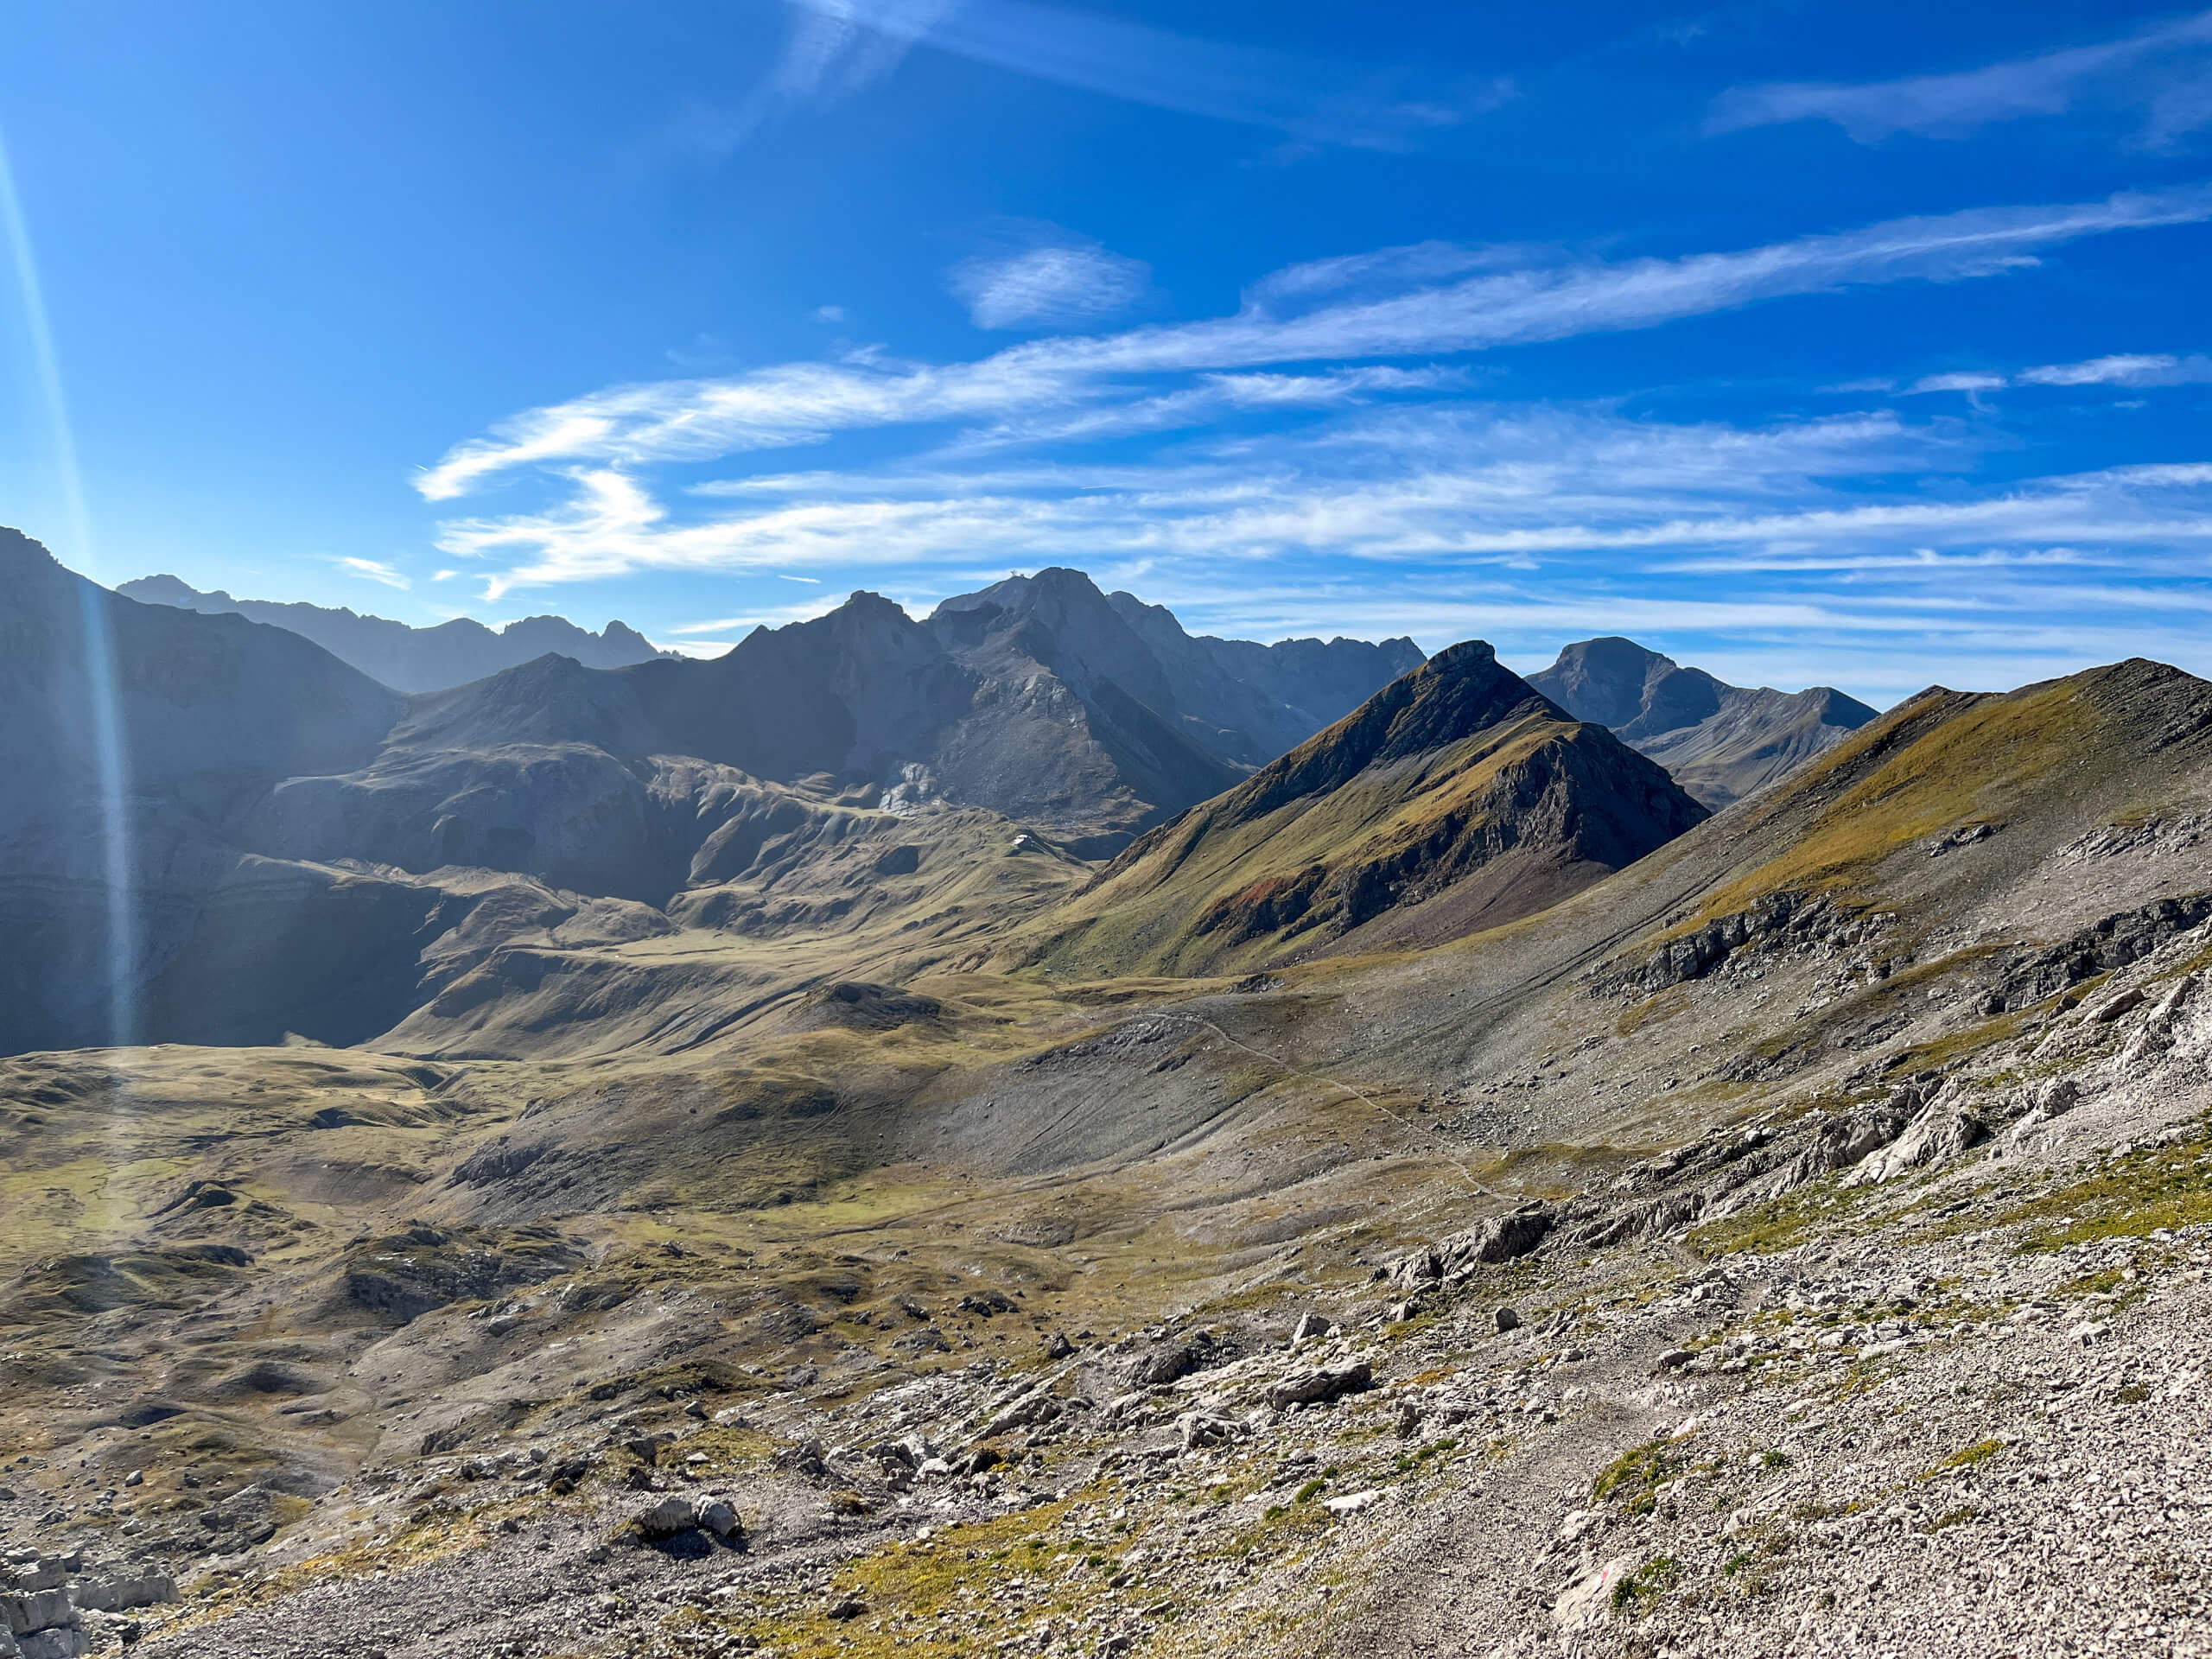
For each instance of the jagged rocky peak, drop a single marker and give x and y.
(1720, 742)
(1060, 617)
(1237, 700)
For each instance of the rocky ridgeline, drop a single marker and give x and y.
(57, 1606)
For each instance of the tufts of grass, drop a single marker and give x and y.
(1779, 1223)
(2128, 1197)
(1647, 1583)
(1973, 1456)
(1954, 1045)
(1632, 1480)
(930, 1596)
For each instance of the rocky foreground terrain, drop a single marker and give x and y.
(1934, 1363)
(1788, 1236)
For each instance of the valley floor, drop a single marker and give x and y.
(1962, 1409)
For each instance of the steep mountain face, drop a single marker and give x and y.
(1456, 798)
(1235, 702)
(311, 853)
(1265, 700)
(1071, 706)
(408, 658)
(1720, 742)
(128, 732)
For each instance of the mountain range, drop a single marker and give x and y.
(304, 850)
(410, 658)
(1022, 1128)
(308, 851)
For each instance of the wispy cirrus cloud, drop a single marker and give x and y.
(837, 48)
(1455, 486)
(2164, 73)
(2133, 371)
(1057, 286)
(1290, 319)
(1211, 398)
(375, 570)
(2127, 369)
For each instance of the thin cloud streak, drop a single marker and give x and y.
(1442, 486)
(2163, 71)
(2132, 370)
(836, 49)
(838, 46)
(375, 570)
(804, 402)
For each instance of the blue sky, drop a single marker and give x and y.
(1860, 343)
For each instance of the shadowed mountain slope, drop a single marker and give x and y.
(1720, 742)
(127, 733)
(409, 659)
(1456, 798)
(309, 853)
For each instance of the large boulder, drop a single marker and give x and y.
(1322, 1383)
(682, 1512)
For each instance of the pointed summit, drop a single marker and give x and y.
(1720, 742)
(1456, 798)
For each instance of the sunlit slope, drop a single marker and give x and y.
(1962, 843)
(2010, 778)
(1454, 799)
(789, 896)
